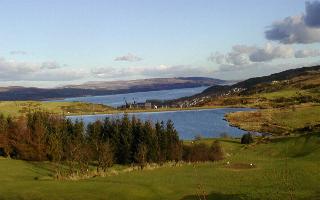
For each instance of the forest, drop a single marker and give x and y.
(41, 136)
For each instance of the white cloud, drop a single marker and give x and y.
(157, 71)
(271, 52)
(50, 65)
(18, 52)
(307, 53)
(177, 70)
(244, 55)
(129, 58)
(302, 29)
(293, 30)
(232, 58)
(257, 69)
(11, 70)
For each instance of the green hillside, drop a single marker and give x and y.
(16, 108)
(297, 119)
(283, 168)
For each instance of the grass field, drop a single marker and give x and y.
(16, 108)
(282, 94)
(284, 120)
(285, 168)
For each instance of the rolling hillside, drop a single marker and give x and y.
(300, 78)
(294, 85)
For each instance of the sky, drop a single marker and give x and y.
(49, 43)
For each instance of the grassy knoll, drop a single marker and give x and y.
(284, 168)
(16, 108)
(277, 120)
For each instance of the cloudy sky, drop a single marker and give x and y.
(48, 43)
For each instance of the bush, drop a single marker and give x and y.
(247, 138)
(216, 152)
(200, 152)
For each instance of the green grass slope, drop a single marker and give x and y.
(16, 108)
(278, 121)
(283, 168)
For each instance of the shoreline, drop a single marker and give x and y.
(113, 112)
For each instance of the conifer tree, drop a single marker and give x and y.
(125, 140)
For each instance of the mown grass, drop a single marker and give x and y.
(284, 168)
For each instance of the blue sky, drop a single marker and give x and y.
(48, 43)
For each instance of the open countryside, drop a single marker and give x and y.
(181, 100)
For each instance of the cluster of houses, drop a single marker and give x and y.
(186, 103)
(234, 91)
(138, 105)
(157, 104)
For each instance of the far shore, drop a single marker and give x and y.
(129, 111)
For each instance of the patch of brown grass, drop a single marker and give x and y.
(240, 166)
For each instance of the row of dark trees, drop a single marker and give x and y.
(135, 141)
(41, 136)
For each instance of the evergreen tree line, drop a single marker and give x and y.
(41, 136)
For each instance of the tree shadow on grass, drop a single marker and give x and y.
(217, 196)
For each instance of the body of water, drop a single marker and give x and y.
(208, 123)
(140, 97)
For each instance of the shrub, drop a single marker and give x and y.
(200, 152)
(247, 138)
(216, 151)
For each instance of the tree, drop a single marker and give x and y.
(105, 156)
(150, 139)
(173, 142)
(141, 155)
(76, 151)
(37, 128)
(162, 141)
(54, 146)
(137, 134)
(125, 140)
(5, 147)
(94, 134)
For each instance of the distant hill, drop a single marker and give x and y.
(154, 83)
(297, 78)
(305, 79)
(106, 87)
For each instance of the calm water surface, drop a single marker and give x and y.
(207, 123)
(118, 99)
